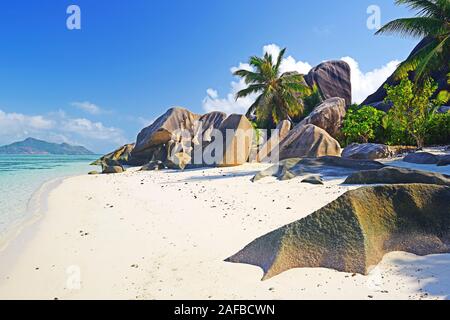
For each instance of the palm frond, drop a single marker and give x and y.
(418, 27)
(256, 62)
(425, 8)
(280, 59)
(433, 54)
(254, 88)
(249, 76)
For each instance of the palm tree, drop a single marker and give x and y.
(432, 22)
(279, 94)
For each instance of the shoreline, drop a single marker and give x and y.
(166, 234)
(35, 210)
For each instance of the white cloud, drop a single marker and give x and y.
(88, 107)
(14, 122)
(289, 63)
(92, 130)
(363, 84)
(58, 127)
(229, 104)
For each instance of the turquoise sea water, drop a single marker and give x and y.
(22, 175)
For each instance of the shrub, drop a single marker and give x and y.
(438, 129)
(412, 107)
(362, 124)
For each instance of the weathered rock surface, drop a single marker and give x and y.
(402, 150)
(329, 116)
(266, 150)
(354, 232)
(112, 169)
(393, 175)
(153, 166)
(237, 134)
(203, 134)
(421, 158)
(325, 166)
(207, 123)
(444, 161)
(368, 151)
(332, 79)
(308, 141)
(160, 132)
(314, 179)
(122, 155)
(111, 166)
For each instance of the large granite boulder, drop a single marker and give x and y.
(122, 155)
(421, 158)
(112, 169)
(402, 150)
(160, 132)
(354, 232)
(281, 131)
(324, 166)
(333, 80)
(308, 141)
(205, 124)
(111, 166)
(444, 160)
(367, 151)
(203, 134)
(440, 76)
(394, 175)
(153, 166)
(329, 116)
(237, 133)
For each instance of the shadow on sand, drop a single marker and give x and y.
(204, 174)
(432, 273)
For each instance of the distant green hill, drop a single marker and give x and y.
(34, 146)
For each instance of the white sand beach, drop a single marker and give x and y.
(165, 235)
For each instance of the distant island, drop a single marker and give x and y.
(34, 146)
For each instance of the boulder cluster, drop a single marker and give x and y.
(179, 138)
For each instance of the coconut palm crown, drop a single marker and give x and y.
(432, 22)
(279, 94)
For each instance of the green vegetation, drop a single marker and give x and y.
(444, 96)
(432, 21)
(362, 124)
(438, 129)
(412, 107)
(279, 94)
(312, 100)
(413, 118)
(257, 132)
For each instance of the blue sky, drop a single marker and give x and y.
(132, 60)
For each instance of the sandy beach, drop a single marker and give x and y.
(166, 234)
